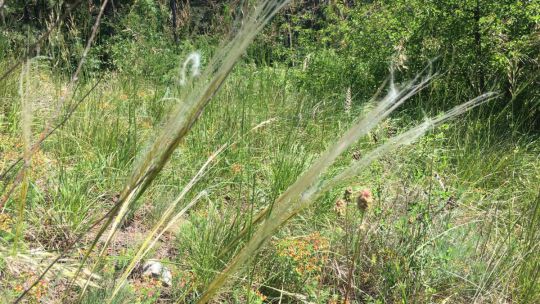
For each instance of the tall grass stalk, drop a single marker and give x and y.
(165, 222)
(309, 187)
(198, 95)
(26, 123)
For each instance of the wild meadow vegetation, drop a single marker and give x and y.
(269, 151)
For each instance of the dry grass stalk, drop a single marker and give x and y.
(308, 188)
(36, 261)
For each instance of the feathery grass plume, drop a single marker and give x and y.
(183, 117)
(404, 138)
(393, 99)
(193, 61)
(308, 188)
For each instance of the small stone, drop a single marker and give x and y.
(156, 270)
(166, 278)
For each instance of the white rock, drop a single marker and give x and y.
(156, 270)
(166, 277)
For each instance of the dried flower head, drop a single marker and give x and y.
(364, 199)
(340, 207)
(347, 195)
(356, 155)
(236, 168)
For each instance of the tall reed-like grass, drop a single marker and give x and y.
(26, 123)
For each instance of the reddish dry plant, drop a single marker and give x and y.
(364, 199)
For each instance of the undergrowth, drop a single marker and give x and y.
(451, 218)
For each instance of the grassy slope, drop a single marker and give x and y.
(469, 234)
